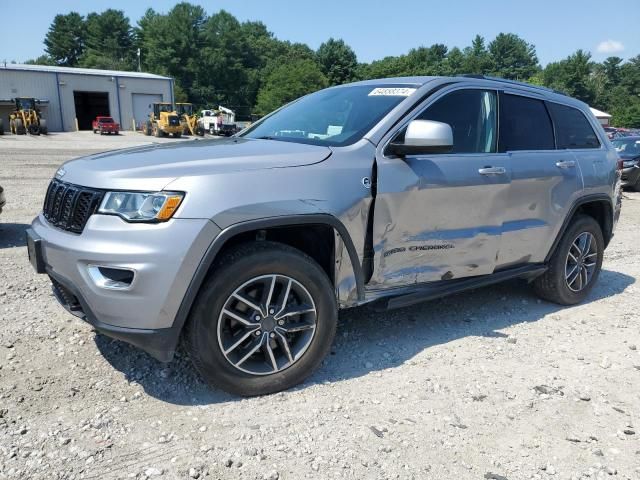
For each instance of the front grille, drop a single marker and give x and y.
(174, 121)
(69, 206)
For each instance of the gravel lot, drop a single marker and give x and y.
(489, 384)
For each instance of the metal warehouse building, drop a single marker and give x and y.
(68, 95)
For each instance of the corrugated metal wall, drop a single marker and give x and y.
(39, 85)
(58, 89)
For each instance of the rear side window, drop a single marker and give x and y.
(472, 115)
(573, 130)
(524, 124)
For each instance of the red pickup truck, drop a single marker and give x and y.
(105, 125)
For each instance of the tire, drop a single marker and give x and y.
(20, 130)
(157, 132)
(553, 284)
(212, 131)
(33, 129)
(200, 131)
(147, 129)
(255, 262)
(1, 127)
(43, 127)
(177, 135)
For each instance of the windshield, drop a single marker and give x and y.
(627, 146)
(26, 104)
(332, 117)
(183, 108)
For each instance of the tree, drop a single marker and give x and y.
(337, 61)
(512, 57)
(41, 60)
(222, 73)
(65, 40)
(477, 58)
(109, 41)
(288, 82)
(170, 44)
(572, 76)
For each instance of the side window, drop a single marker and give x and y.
(524, 124)
(472, 115)
(573, 130)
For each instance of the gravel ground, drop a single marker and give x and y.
(488, 384)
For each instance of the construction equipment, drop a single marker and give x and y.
(26, 118)
(163, 121)
(189, 120)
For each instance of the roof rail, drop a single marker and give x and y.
(513, 82)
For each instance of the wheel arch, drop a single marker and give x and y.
(246, 231)
(599, 207)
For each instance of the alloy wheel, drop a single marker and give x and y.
(581, 262)
(267, 324)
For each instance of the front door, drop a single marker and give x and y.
(439, 216)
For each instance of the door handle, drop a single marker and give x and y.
(566, 164)
(492, 171)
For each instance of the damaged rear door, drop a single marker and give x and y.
(439, 216)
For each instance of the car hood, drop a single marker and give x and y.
(628, 156)
(153, 167)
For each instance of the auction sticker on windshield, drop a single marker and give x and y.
(392, 92)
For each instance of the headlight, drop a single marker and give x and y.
(141, 206)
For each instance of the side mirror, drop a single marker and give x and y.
(423, 137)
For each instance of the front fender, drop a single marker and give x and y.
(349, 280)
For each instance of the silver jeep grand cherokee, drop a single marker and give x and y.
(389, 191)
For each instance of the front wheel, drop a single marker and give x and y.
(264, 320)
(575, 265)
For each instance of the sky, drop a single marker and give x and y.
(375, 28)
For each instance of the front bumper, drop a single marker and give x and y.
(630, 176)
(163, 257)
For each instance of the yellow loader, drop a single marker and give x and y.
(163, 121)
(189, 120)
(26, 118)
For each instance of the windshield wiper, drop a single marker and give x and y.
(266, 137)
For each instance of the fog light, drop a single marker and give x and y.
(111, 278)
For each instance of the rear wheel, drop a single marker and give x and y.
(575, 265)
(157, 132)
(264, 320)
(43, 127)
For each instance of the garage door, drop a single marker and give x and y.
(142, 106)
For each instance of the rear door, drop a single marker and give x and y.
(544, 183)
(439, 216)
